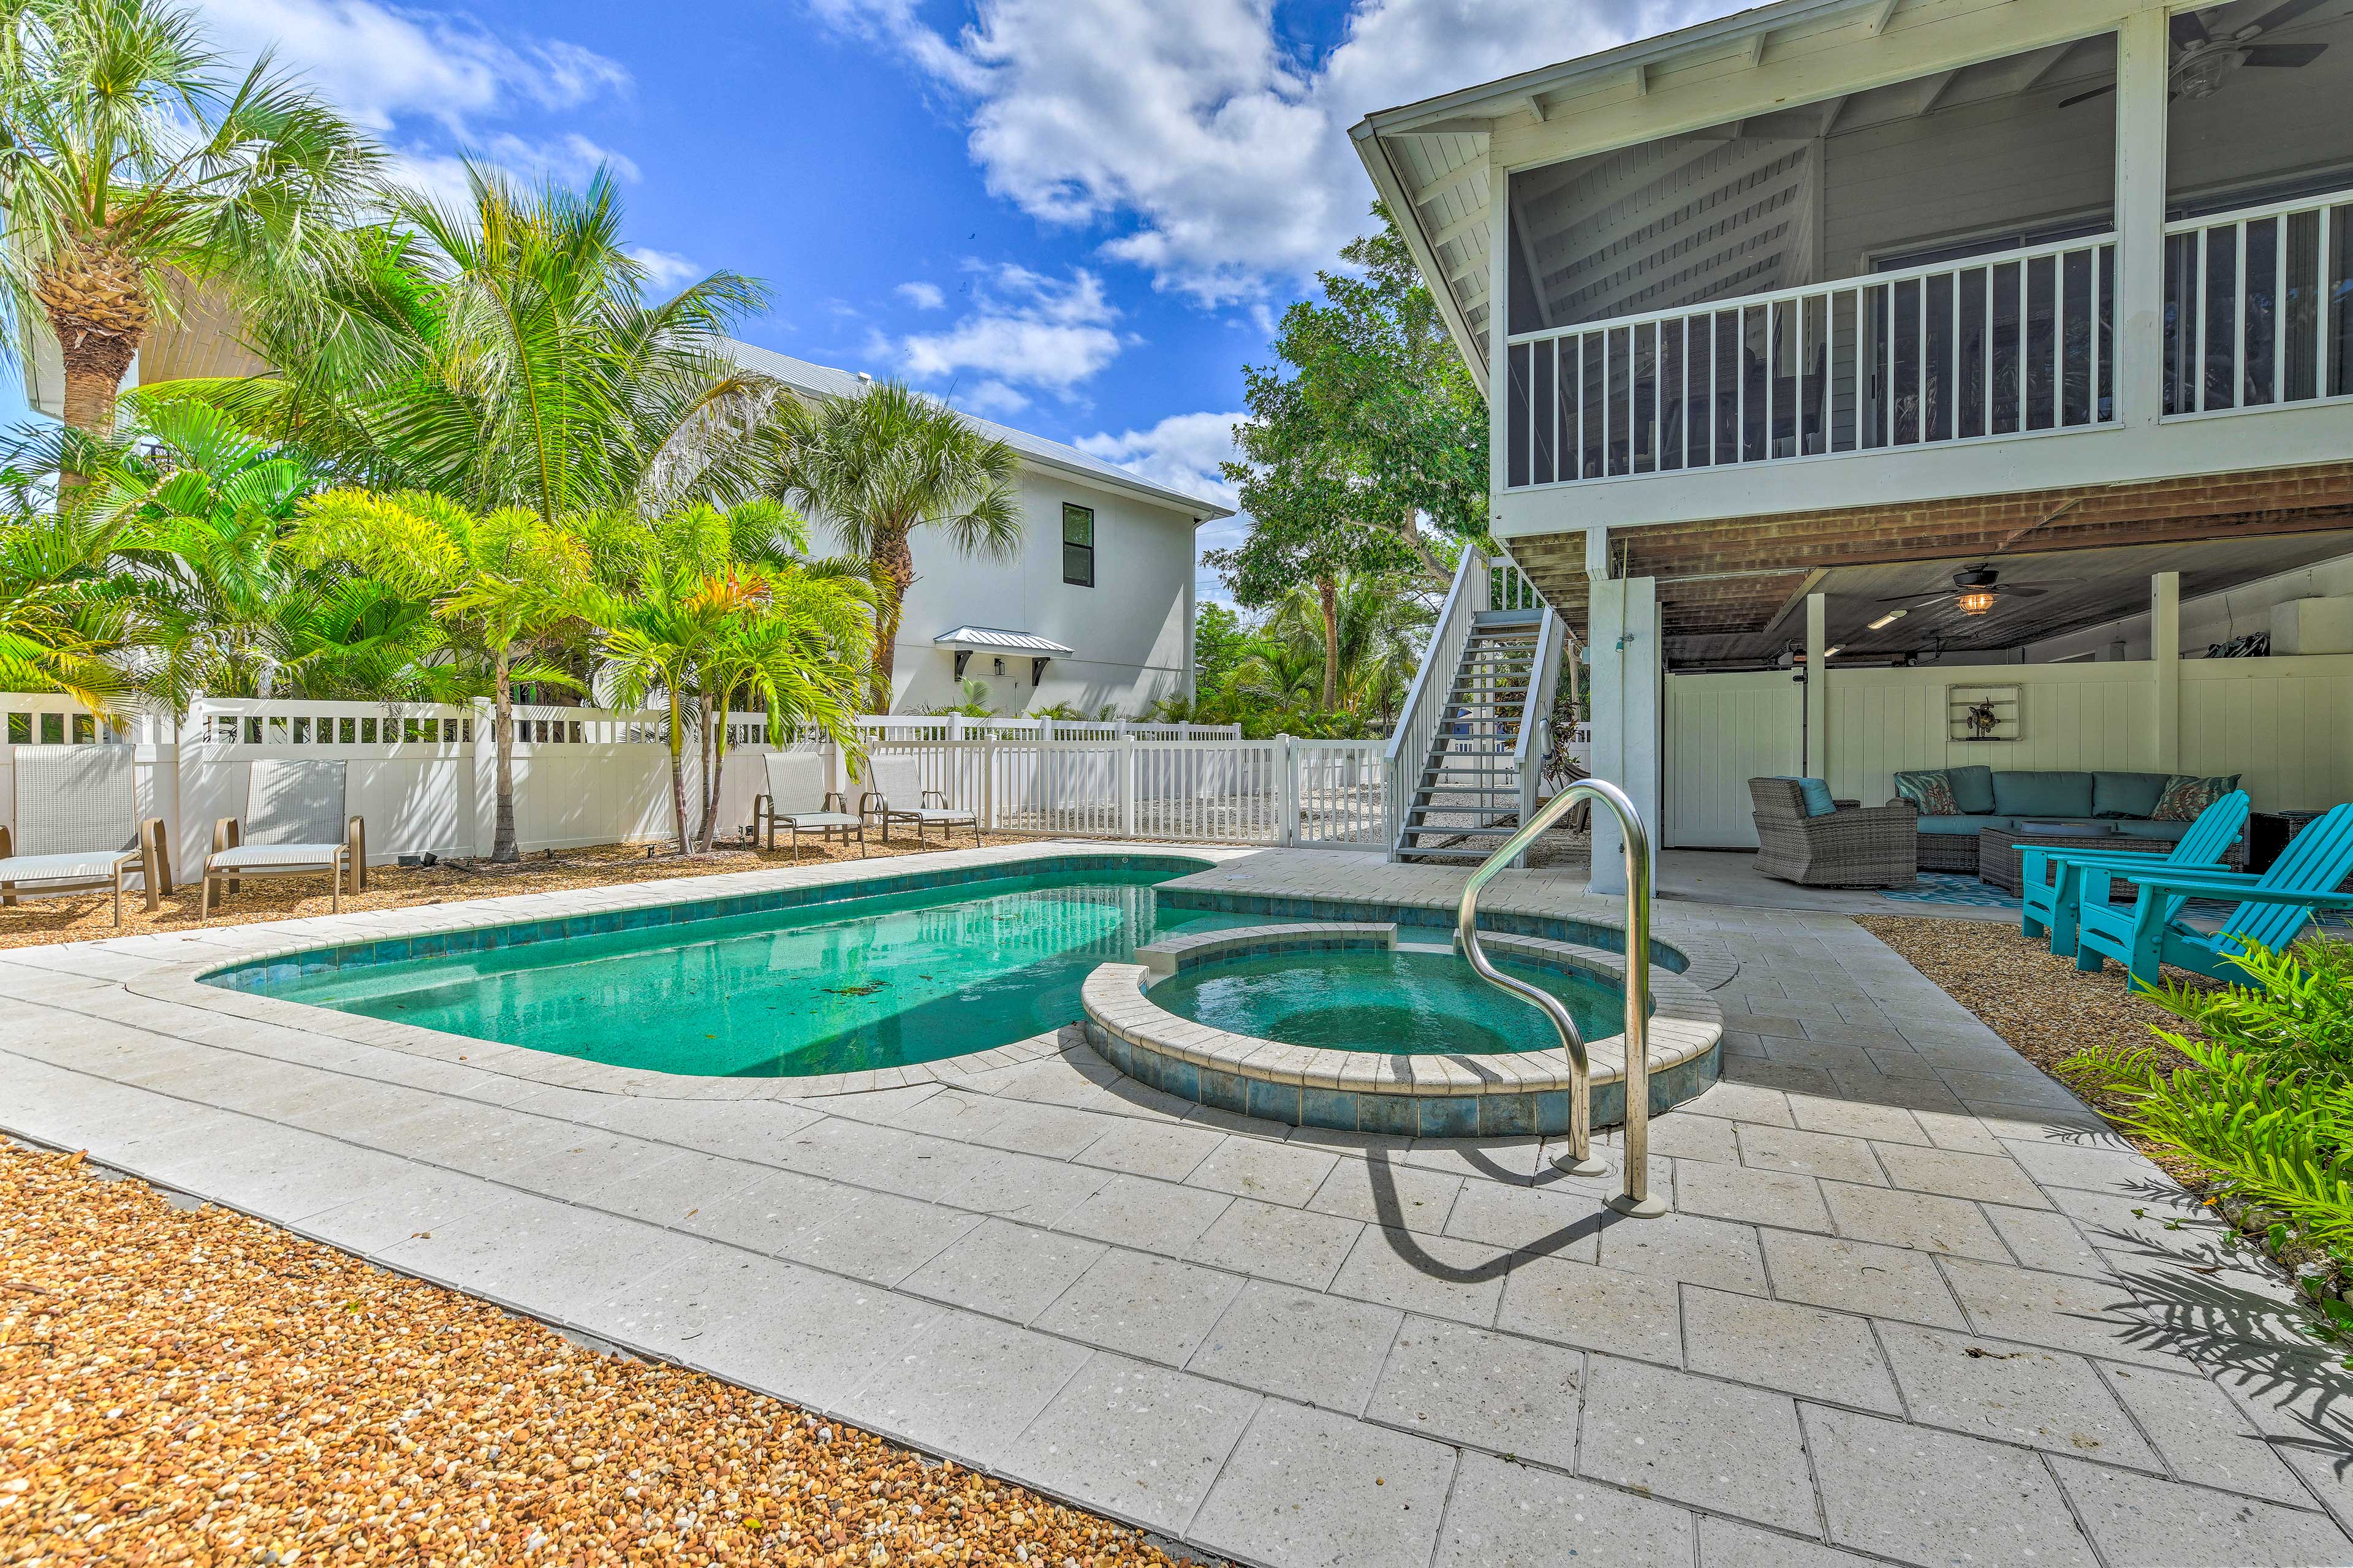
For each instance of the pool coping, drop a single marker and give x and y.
(182, 985)
(1451, 1096)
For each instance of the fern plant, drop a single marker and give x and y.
(2264, 1104)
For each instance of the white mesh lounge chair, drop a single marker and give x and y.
(798, 801)
(294, 824)
(77, 831)
(895, 793)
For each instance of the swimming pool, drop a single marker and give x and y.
(856, 981)
(1407, 1002)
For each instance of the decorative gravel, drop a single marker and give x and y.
(193, 1387)
(82, 916)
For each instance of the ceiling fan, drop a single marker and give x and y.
(2201, 60)
(1975, 592)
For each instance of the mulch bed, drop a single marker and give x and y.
(82, 916)
(193, 1387)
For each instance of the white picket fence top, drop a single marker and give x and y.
(424, 774)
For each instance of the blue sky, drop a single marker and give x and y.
(1079, 216)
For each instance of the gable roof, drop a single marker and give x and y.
(825, 380)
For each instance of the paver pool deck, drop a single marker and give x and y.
(1913, 1303)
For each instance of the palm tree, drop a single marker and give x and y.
(131, 167)
(500, 352)
(1364, 629)
(890, 461)
(702, 605)
(502, 581)
(64, 620)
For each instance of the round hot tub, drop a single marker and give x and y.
(1339, 1026)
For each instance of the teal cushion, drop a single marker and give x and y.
(1929, 790)
(2186, 797)
(2126, 794)
(1818, 798)
(1972, 789)
(1957, 824)
(2043, 795)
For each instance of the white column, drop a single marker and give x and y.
(1818, 687)
(1626, 698)
(2144, 51)
(1499, 329)
(2165, 655)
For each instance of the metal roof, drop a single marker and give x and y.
(825, 380)
(993, 639)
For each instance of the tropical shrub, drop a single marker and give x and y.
(2262, 1104)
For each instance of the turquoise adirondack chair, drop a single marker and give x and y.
(2272, 910)
(2051, 881)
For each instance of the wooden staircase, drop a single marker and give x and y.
(1466, 800)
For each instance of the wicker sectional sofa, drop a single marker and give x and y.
(1989, 797)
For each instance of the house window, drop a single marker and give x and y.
(1078, 545)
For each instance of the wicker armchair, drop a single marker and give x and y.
(1854, 846)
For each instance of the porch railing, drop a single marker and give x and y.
(2256, 306)
(2003, 344)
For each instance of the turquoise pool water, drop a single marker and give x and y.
(1408, 1002)
(838, 988)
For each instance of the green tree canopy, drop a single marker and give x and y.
(132, 163)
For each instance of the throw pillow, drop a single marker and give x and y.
(1818, 798)
(1930, 789)
(2185, 797)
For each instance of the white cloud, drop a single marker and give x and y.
(923, 296)
(1025, 329)
(381, 63)
(666, 270)
(568, 159)
(1182, 452)
(1218, 162)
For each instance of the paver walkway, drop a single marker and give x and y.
(1913, 1303)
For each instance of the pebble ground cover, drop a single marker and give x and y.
(89, 916)
(189, 1385)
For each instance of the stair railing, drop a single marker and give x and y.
(1635, 1200)
(1425, 700)
(1543, 682)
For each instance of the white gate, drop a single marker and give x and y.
(1721, 731)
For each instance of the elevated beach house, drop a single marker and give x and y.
(1890, 384)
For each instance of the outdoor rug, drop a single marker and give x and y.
(1951, 888)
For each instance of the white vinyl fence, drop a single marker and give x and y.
(425, 775)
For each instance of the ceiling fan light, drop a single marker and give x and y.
(1974, 601)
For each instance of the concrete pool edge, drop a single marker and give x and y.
(183, 984)
(1466, 1096)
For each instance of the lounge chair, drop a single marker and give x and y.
(2051, 881)
(77, 827)
(798, 801)
(293, 815)
(1851, 845)
(900, 780)
(2272, 908)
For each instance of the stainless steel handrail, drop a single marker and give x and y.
(1635, 1200)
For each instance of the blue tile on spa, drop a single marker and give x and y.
(1333, 1107)
(1450, 1115)
(1507, 1115)
(1223, 1090)
(1394, 1114)
(1274, 1101)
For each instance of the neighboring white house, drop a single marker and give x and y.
(1095, 611)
